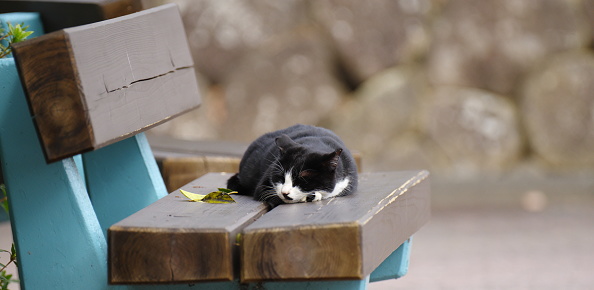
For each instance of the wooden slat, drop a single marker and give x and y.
(60, 14)
(178, 171)
(165, 146)
(92, 85)
(174, 240)
(341, 238)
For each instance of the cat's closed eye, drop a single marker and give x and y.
(307, 173)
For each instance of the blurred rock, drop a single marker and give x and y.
(202, 123)
(558, 109)
(382, 114)
(374, 35)
(491, 44)
(472, 130)
(221, 32)
(290, 81)
(588, 9)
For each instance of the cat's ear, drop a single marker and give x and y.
(331, 159)
(284, 142)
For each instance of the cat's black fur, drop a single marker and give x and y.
(315, 157)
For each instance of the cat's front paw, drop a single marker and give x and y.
(316, 196)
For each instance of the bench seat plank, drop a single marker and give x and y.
(93, 85)
(182, 241)
(341, 238)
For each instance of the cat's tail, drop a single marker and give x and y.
(234, 184)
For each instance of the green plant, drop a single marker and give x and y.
(3, 198)
(6, 278)
(16, 33)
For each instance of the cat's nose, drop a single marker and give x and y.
(286, 196)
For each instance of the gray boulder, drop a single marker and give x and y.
(558, 109)
(472, 130)
(373, 35)
(491, 44)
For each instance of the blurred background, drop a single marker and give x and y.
(494, 97)
(459, 87)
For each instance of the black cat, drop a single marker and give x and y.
(297, 164)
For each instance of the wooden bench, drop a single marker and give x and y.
(341, 238)
(92, 90)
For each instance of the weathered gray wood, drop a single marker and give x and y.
(175, 240)
(341, 238)
(116, 78)
(60, 14)
(165, 146)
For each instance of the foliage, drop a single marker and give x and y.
(16, 33)
(6, 278)
(3, 198)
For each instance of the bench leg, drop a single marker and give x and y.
(122, 178)
(58, 238)
(395, 265)
(313, 285)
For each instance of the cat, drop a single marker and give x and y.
(301, 163)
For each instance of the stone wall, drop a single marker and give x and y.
(456, 86)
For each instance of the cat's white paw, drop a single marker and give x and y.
(317, 196)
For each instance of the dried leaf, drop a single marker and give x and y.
(220, 196)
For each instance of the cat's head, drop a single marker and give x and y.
(302, 174)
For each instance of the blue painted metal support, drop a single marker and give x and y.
(122, 178)
(79, 165)
(395, 265)
(58, 238)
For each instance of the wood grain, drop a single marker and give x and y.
(178, 171)
(341, 238)
(60, 14)
(174, 240)
(116, 78)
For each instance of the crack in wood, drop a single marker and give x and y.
(146, 79)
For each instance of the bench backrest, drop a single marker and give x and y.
(93, 85)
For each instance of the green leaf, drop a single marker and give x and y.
(226, 190)
(19, 32)
(3, 198)
(16, 33)
(13, 254)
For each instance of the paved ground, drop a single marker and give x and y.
(523, 232)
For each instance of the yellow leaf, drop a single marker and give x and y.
(218, 197)
(192, 196)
